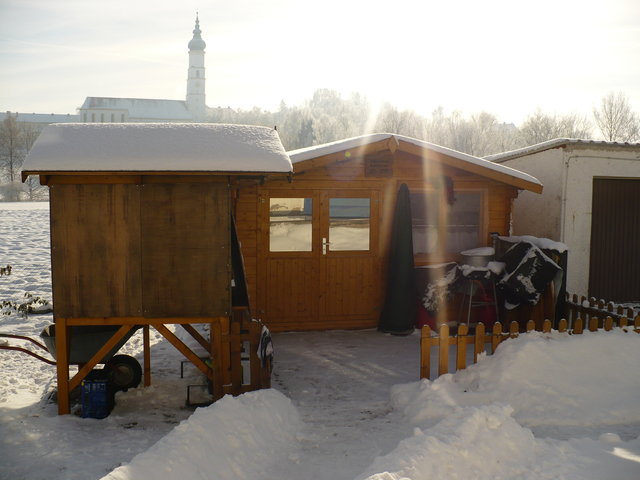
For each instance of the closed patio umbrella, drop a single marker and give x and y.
(399, 312)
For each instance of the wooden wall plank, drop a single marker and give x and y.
(186, 268)
(95, 233)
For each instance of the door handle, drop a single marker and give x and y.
(325, 244)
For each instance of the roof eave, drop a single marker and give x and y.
(73, 173)
(502, 177)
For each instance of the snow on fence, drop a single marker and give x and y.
(462, 341)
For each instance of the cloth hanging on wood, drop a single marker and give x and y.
(399, 312)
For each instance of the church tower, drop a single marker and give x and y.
(195, 79)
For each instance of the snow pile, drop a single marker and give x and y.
(540, 376)
(235, 438)
(473, 424)
(480, 442)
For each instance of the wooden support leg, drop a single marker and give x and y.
(147, 355)
(62, 366)
(215, 352)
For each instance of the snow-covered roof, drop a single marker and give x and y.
(174, 147)
(316, 151)
(556, 143)
(141, 108)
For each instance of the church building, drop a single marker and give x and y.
(193, 109)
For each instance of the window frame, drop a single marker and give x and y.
(431, 258)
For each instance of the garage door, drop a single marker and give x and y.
(614, 272)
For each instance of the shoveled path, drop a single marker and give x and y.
(340, 382)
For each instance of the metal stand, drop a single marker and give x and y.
(476, 291)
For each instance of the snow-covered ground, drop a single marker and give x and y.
(344, 405)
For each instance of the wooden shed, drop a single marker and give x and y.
(316, 248)
(142, 234)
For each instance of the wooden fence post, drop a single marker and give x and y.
(478, 347)
(425, 352)
(514, 329)
(443, 361)
(593, 324)
(546, 326)
(608, 324)
(496, 338)
(562, 325)
(578, 326)
(531, 325)
(461, 353)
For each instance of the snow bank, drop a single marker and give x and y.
(474, 424)
(548, 379)
(472, 443)
(235, 438)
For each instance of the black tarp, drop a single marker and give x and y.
(528, 271)
(399, 312)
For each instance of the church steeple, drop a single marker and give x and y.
(196, 42)
(195, 78)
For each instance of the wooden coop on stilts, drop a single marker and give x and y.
(143, 235)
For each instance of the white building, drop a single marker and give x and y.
(193, 109)
(590, 202)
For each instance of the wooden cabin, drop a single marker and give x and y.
(141, 234)
(316, 248)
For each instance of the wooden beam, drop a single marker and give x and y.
(147, 355)
(215, 352)
(185, 350)
(98, 356)
(139, 320)
(196, 335)
(62, 365)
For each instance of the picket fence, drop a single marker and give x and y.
(462, 340)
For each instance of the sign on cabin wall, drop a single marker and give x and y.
(378, 166)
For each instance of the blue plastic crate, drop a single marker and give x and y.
(97, 398)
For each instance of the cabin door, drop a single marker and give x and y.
(318, 264)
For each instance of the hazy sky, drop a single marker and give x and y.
(507, 57)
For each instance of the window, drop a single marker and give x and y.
(440, 228)
(290, 226)
(349, 223)
(93, 117)
(102, 118)
(113, 117)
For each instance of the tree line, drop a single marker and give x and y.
(327, 117)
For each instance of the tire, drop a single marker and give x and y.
(123, 372)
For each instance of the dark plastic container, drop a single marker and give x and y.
(97, 395)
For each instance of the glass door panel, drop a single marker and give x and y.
(349, 224)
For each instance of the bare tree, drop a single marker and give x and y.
(402, 122)
(541, 127)
(11, 148)
(615, 119)
(16, 139)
